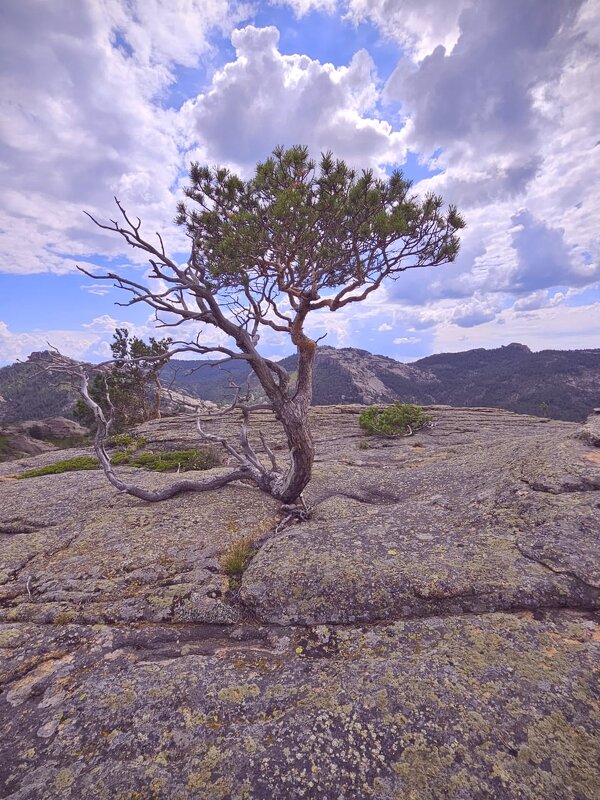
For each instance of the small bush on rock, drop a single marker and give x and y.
(125, 440)
(401, 419)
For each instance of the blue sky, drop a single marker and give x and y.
(493, 105)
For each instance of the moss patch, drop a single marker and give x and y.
(169, 460)
(68, 465)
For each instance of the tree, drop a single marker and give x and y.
(129, 390)
(265, 253)
(136, 371)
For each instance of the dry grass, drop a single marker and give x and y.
(235, 559)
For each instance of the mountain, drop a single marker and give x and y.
(562, 384)
(28, 391)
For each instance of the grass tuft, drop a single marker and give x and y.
(235, 559)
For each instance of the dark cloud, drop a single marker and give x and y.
(544, 260)
(483, 88)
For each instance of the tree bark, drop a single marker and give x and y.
(289, 486)
(293, 414)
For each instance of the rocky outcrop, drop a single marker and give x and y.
(33, 437)
(430, 632)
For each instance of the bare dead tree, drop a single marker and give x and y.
(266, 253)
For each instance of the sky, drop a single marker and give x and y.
(494, 105)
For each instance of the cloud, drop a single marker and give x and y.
(482, 92)
(265, 98)
(544, 260)
(82, 87)
(539, 299)
(406, 340)
(14, 346)
(417, 25)
(385, 327)
(512, 108)
(559, 328)
(302, 7)
(473, 312)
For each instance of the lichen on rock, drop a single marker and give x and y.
(430, 632)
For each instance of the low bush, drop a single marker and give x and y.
(125, 440)
(400, 419)
(68, 465)
(167, 461)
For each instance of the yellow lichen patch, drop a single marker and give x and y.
(423, 766)
(592, 458)
(570, 749)
(9, 637)
(201, 783)
(22, 689)
(65, 617)
(126, 697)
(64, 779)
(236, 694)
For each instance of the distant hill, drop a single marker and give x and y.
(30, 392)
(563, 384)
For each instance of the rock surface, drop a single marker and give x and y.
(33, 437)
(431, 631)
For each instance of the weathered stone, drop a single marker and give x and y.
(590, 432)
(428, 633)
(498, 705)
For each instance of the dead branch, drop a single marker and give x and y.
(77, 372)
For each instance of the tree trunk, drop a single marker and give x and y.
(157, 388)
(293, 414)
(289, 487)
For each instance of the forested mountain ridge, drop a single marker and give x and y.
(562, 384)
(28, 391)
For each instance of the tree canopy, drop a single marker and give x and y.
(295, 238)
(130, 388)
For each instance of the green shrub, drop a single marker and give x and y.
(68, 465)
(169, 460)
(125, 440)
(398, 420)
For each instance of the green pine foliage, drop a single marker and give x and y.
(400, 419)
(129, 390)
